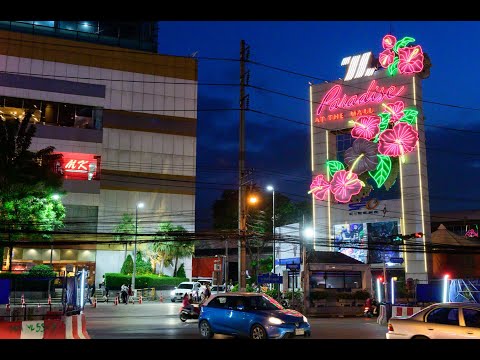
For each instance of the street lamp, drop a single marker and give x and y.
(271, 188)
(140, 205)
(55, 197)
(307, 233)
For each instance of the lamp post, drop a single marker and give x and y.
(307, 233)
(138, 206)
(272, 189)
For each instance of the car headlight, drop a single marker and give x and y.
(172, 293)
(305, 319)
(274, 320)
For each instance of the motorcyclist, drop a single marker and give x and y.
(186, 303)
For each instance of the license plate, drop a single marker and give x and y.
(299, 331)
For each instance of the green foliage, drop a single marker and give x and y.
(170, 243)
(334, 166)
(262, 266)
(382, 171)
(115, 281)
(297, 295)
(318, 295)
(248, 288)
(181, 272)
(127, 267)
(361, 295)
(126, 226)
(142, 266)
(41, 271)
(402, 43)
(345, 296)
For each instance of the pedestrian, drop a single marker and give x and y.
(105, 297)
(124, 293)
(207, 292)
(130, 292)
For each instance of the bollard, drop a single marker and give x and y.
(140, 299)
(115, 302)
(49, 299)
(94, 302)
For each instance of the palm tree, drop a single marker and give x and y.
(126, 226)
(171, 248)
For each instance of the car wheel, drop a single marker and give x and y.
(416, 337)
(183, 317)
(205, 329)
(258, 332)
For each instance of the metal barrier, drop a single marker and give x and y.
(148, 294)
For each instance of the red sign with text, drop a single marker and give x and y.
(78, 166)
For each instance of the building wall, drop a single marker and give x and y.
(147, 142)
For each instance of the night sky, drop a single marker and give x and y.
(279, 150)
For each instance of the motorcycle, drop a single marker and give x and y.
(189, 313)
(370, 311)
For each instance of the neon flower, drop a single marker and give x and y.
(344, 185)
(471, 233)
(398, 141)
(410, 59)
(362, 156)
(395, 110)
(366, 127)
(386, 57)
(388, 41)
(320, 187)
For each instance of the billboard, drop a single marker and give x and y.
(351, 240)
(380, 243)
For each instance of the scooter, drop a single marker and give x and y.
(370, 311)
(186, 314)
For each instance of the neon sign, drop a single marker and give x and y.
(334, 99)
(77, 166)
(400, 58)
(471, 233)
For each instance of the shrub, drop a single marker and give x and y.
(127, 267)
(115, 280)
(318, 295)
(41, 271)
(361, 295)
(345, 296)
(181, 271)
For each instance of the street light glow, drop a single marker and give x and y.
(56, 197)
(308, 233)
(252, 200)
(270, 188)
(140, 205)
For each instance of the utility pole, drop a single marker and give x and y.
(226, 262)
(242, 214)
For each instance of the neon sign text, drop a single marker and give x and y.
(334, 99)
(357, 66)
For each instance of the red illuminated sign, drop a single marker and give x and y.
(78, 166)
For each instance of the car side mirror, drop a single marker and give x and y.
(240, 307)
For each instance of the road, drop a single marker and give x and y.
(160, 321)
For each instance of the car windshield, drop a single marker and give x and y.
(185, 286)
(263, 302)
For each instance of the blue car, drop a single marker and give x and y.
(253, 315)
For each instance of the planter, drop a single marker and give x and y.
(319, 303)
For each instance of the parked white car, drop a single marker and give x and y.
(438, 321)
(188, 287)
(221, 289)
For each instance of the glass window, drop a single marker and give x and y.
(185, 286)
(49, 112)
(66, 116)
(353, 280)
(471, 317)
(84, 117)
(262, 303)
(447, 316)
(335, 280)
(218, 302)
(317, 280)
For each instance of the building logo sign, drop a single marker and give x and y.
(78, 166)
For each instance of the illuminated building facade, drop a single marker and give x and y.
(124, 118)
(368, 159)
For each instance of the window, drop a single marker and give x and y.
(185, 286)
(261, 303)
(219, 302)
(353, 280)
(471, 317)
(335, 280)
(446, 316)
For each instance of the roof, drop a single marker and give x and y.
(445, 237)
(459, 216)
(331, 257)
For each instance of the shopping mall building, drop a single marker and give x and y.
(368, 160)
(122, 115)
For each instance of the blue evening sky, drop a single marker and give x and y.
(278, 150)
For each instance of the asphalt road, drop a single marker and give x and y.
(161, 321)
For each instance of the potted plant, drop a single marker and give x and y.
(345, 298)
(318, 298)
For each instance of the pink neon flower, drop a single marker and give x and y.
(320, 187)
(395, 110)
(398, 141)
(410, 59)
(344, 185)
(386, 57)
(388, 41)
(366, 127)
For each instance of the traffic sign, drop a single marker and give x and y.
(396, 260)
(293, 266)
(270, 278)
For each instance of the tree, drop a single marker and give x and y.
(27, 183)
(126, 226)
(127, 267)
(172, 245)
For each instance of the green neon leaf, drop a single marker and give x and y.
(380, 174)
(392, 69)
(410, 116)
(402, 43)
(392, 178)
(384, 121)
(334, 166)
